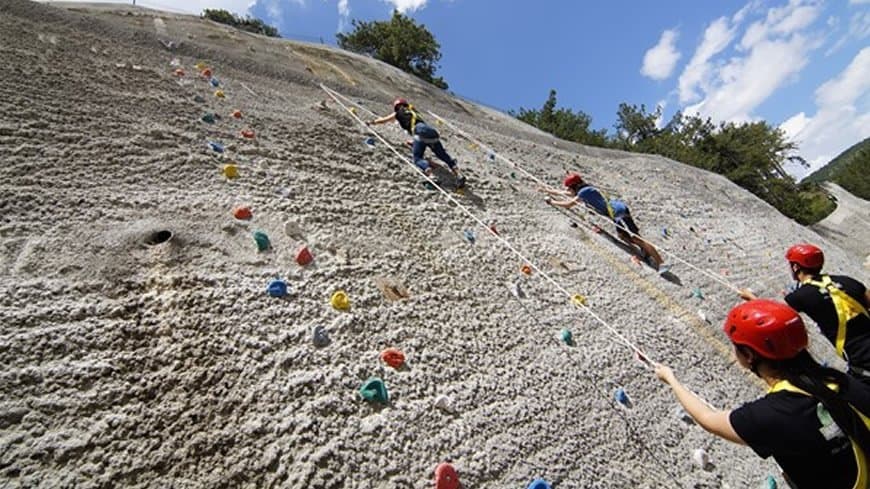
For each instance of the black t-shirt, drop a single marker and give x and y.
(820, 307)
(404, 115)
(786, 425)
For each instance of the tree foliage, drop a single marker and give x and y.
(247, 23)
(850, 169)
(400, 42)
(750, 154)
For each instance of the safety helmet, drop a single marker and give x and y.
(806, 255)
(399, 102)
(572, 180)
(771, 329)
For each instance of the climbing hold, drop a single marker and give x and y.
(578, 300)
(770, 483)
(208, 118)
(340, 300)
(247, 133)
(277, 288)
(200, 65)
(444, 403)
(539, 484)
(446, 477)
(702, 315)
(370, 141)
(304, 256)
(596, 229)
(262, 240)
(219, 94)
(198, 99)
(663, 269)
(375, 390)
(697, 294)
(292, 229)
(513, 175)
(393, 357)
(205, 73)
(725, 272)
(517, 291)
(621, 397)
(493, 229)
(179, 72)
(215, 82)
(237, 114)
(683, 416)
(692, 229)
(244, 213)
(469, 236)
(700, 457)
(526, 269)
(319, 337)
(230, 171)
(567, 337)
(665, 233)
(490, 156)
(216, 147)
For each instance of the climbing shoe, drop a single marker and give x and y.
(460, 181)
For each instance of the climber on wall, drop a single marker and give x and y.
(837, 303)
(577, 191)
(809, 421)
(424, 136)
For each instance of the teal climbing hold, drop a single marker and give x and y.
(208, 118)
(262, 240)
(697, 294)
(374, 390)
(469, 236)
(771, 482)
(567, 337)
(539, 484)
(199, 99)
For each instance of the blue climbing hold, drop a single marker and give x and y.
(620, 396)
(370, 142)
(215, 82)
(216, 147)
(277, 288)
(665, 233)
(490, 156)
(539, 484)
(469, 236)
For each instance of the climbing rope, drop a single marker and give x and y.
(519, 168)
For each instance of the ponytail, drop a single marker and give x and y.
(806, 374)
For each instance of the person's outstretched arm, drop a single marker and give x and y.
(381, 120)
(565, 204)
(713, 420)
(556, 192)
(747, 295)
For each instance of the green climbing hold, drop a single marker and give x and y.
(567, 337)
(771, 482)
(513, 175)
(697, 294)
(374, 390)
(262, 240)
(208, 118)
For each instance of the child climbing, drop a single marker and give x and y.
(424, 136)
(837, 303)
(809, 421)
(580, 191)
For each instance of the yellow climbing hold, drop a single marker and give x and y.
(230, 171)
(353, 110)
(340, 300)
(578, 300)
(219, 94)
(200, 65)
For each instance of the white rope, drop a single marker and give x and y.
(641, 355)
(666, 251)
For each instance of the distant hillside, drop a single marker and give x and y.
(851, 170)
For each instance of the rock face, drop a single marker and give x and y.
(849, 225)
(132, 361)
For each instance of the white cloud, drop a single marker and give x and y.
(660, 60)
(343, 14)
(717, 36)
(781, 21)
(859, 2)
(405, 6)
(842, 115)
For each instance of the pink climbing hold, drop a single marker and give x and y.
(446, 477)
(304, 256)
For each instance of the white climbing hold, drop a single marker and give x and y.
(683, 416)
(700, 457)
(444, 403)
(702, 315)
(517, 291)
(292, 229)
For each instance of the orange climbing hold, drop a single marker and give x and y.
(526, 269)
(248, 134)
(179, 72)
(446, 477)
(393, 357)
(304, 256)
(244, 213)
(237, 114)
(206, 73)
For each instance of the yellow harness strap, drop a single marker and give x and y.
(413, 117)
(607, 202)
(846, 306)
(861, 481)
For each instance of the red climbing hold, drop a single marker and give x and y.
(248, 134)
(446, 477)
(493, 229)
(237, 114)
(304, 256)
(526, 269)
(242, 213)
(206, 73)
(393, 357)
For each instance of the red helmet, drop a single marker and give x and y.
(572, 180)
(772, 329)
(806, 255)
(398, 102)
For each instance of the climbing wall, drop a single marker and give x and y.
(212, 275)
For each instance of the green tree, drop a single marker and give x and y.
(634, 125)
(400, 42)
(563, 123)
(249, 24)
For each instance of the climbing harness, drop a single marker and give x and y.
(846, 306)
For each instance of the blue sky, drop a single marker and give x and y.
(800, 64)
